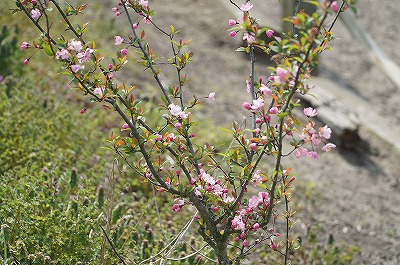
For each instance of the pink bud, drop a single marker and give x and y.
(270, 33)
(274, 246)
(192, 181)
(215, 209)
(24, 45)
(178, 125)
(110, 66)
(245, 243)
(257, 131)
(124, 51)
(237, 239)
(334, 6)
(258, 120)
(242, 235)
(178, 172)
(253, 146)
(34, 2)
(273, 110)
(135, 25)
(256, 226)
(247, 105)
(82, 111)
(192, 135)
(232, 22)
(114, 9)
(125, 126)
(117, 14)
(26, 61)
(232, 33)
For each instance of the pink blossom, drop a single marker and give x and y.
(325, 132)
(254, 202)
(237, 223)
(315, 139)
(211, 97)
(257, 103)
(76, 67)
(247, 105)
(147, 19)
(176, 208)
(125, 126)
(118, 40)
(99, 92)
(301, 152)
(143, 3)
(253, 146)
(75, 45)
(232, 33)
(248, 86)
(266, 91)
(178, 125)
(328, 147)
(176, 111)
(274, 110)
(35, 14)
(192, 181)
(334, 6)
(85, 55)
(313, 154)
(274, 246)
(249, 37)
(281, 75)
(256, 226)
(263, 195)
(310, 112)
(257, 179)
(124, 51)
(171, 137)
(158, 137)
(62, 54)
(114, 9)
(270, 33)
(24, 45)
(232, 22)
(246, 7)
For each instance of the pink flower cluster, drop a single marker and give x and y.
(311, 134)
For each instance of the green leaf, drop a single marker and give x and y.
(312, 2)
(47, 49)
(282, 114)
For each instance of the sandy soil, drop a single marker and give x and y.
(359, 192)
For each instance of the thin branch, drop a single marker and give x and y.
(112, 245)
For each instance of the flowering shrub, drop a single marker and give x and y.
(235, 199)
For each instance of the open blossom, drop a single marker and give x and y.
(257, 103)
(62, 54)
(310, 112)
(246, 7)
(249, 37)
(237, 223)
(281, 75)
(147, 19)
(84, 55)
(325, 132)
(118, 40)
(35, 13)
(328, 147)
(75, 45)
(99, 92)
(211, 96)
(255, 201)
(143, 3)
(265, 90)
(76, 67)
(176, 111)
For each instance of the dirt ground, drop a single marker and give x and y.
(359, 191)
